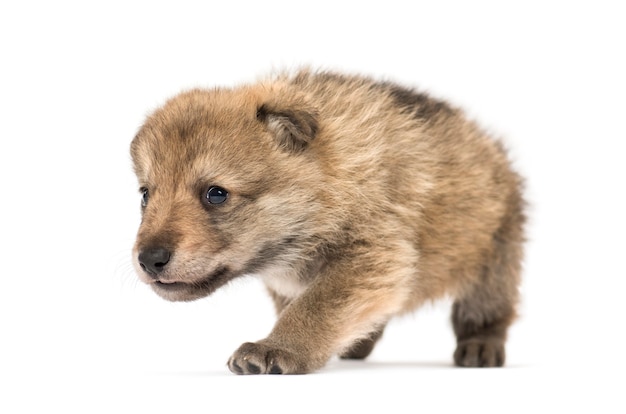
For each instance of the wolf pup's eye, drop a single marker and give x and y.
(216, 195)
(144, 197)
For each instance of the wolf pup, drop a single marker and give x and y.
(354, 201)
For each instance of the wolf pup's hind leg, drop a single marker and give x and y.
(484, 311)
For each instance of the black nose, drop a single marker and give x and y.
(153, 260)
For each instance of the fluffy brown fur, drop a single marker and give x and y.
(354, 201)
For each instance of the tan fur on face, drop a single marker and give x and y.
(353, 200)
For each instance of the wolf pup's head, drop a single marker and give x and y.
(228, 187)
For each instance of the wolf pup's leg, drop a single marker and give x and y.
(360, 349)
(363, 347)
(484, 311)
(344, 305)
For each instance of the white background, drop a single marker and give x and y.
(78, 333)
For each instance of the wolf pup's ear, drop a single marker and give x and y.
(293, 128)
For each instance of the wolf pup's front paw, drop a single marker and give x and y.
(258, 358)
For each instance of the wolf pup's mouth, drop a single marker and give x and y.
(167, 285)
(210, 283)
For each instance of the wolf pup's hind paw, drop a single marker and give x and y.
(479, 353)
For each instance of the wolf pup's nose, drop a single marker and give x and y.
(153, 260)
